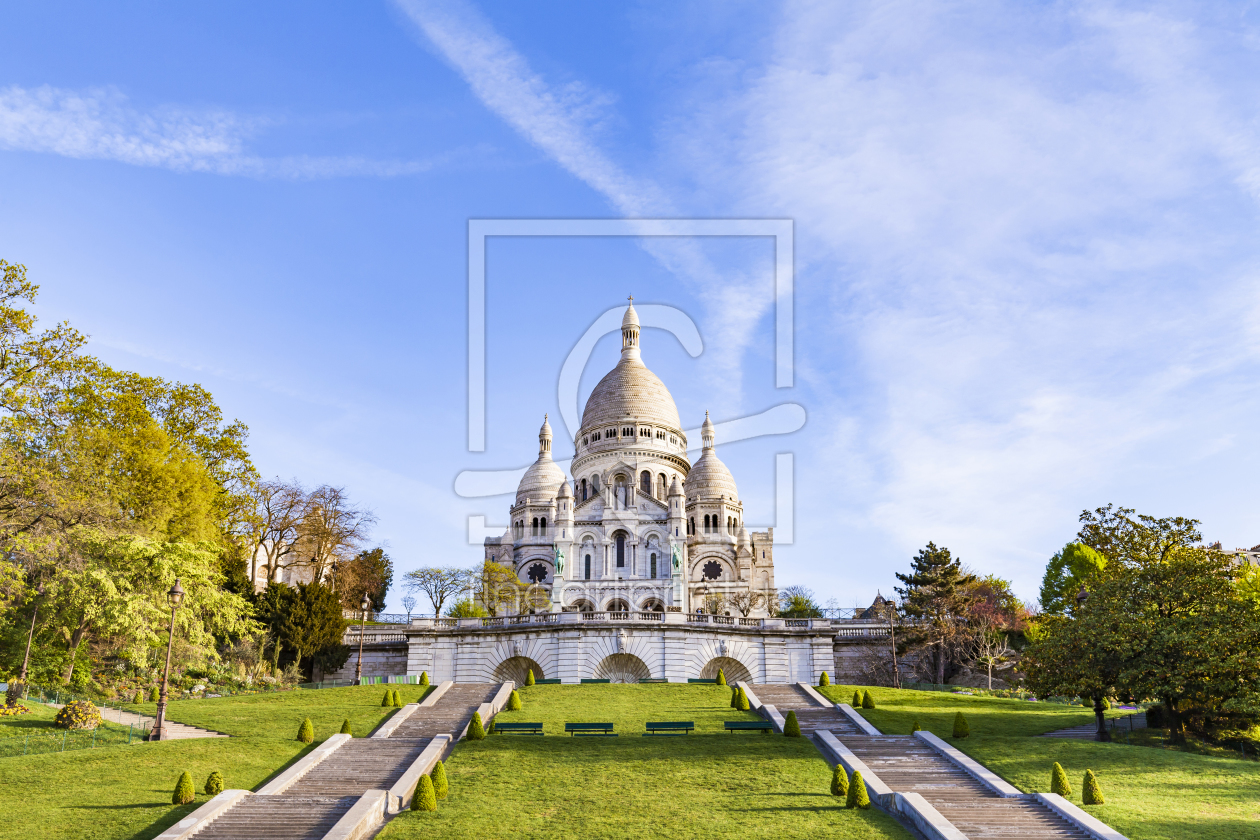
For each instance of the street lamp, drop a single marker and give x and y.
(174, 597)
(1102, 734)
(358, 665)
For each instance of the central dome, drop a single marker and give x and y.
(630, 390)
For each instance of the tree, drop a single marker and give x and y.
(935, 595)
(798, 602)
(307, 621)
(278, 511)
(368, 573)
(331, 531)
(988, 644)
(1076, 565)
(498, 589)
(409, 604)
(438, 583)
(745, 601)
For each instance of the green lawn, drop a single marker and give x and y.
(706, 785)
(1152, 794)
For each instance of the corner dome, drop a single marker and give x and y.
(543, 480)
(709, 478)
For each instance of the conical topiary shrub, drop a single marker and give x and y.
(490, 728)
(1091, 793)
(857, 699)
(184, 792)
(514, 701)
(424, 678)
(345, 727)
(741, 699)
(791, 728)
(917, 728)
(154, 694)
(734, 697)
(440, 786)
(721, 677)
(476, 730)
(306, 732)
(214, 784)
(424, 799)
(858, 797)
(386, 700)
(961, 729)
(839, 781)
(396, 698)
(1059, 781)
(138, 698)
(529, 678)
(824, 680)
(868, 700)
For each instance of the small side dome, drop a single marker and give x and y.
(565, 492)
(674, 489)
(543, 479)
(709, 478)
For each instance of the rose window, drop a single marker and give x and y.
(712, 570)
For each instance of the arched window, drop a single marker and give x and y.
(621, 549)
(653, 565)
(534, 528)
(594, 484)
(691, 527)
(584, 489)
(588, 567)
(663, 485)
(706, 523)
(645, 483)
(542, 526)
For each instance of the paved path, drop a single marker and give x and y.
(312, 806)
(1087, 731)
(175, 731)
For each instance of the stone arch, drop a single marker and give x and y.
(622, 668)
(699, 569)
(732, 669)
(652, 605)
(582, 605)
(617, 605)
(516, 668)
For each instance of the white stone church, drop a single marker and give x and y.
(639, 528)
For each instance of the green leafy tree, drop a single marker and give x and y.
(741, 699)
(424, 678)
(1076, 565)
(798, 602)
(465, 608)
(857, 699)
(387, 699)
(368, 573)
(936, 597)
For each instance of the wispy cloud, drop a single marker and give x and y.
(100, 124)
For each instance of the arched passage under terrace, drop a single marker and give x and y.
(622, 668)
(516, 669)
(732, 669)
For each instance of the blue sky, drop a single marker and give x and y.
(1026, 245)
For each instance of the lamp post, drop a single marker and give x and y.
(358, 665)
(1102, 734)
(892, 635)
(174, 597)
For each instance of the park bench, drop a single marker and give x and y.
(669, 727)
(555, 681)
(654, 680)
(523, 728)
(597, 729)
(702, 682)
(762, 726)
(590, 682)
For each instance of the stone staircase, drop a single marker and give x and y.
(907, 765)
(1116, 726)
(811, 716)
(315, 802)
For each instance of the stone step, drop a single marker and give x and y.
(284, 817)
(784, 697)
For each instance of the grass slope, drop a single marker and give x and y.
(1151, 793)
(706, 785)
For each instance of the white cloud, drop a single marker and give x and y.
(99, 124)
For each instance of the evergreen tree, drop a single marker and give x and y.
(1059, 781)
(839, 781)
(154, 694)
(868, 701)
(424, 798)
(306, 732)
(936, 597)
(529, 678)
(741, 699)
(791, 728)
(440, 785)
(345, 727)
(397, 699)
(214, 784)
(386, 700)
(721, 677)
(476, 730)
(734, 697)
(490, 728)
(184, 792)
(858, 797)
(824, 680)
(917, 728)
(1091, 793)
(857, 700)
(961, 730)
(514, 702)
(424, 678)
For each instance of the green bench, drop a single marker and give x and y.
(654, 680)
(702, 682)
(591, 682)
(523, 728)
(669, 727)
(555, 681)
(762, 726)
(597, 729)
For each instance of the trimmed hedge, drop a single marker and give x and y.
(868, 701)
(154, 694)
(396, 698)
(441, 787)
(734, 697)
(306, 732)
(184, 792)
(529, 678)
(1059, 781)
(1091, 793)
(345, 727)
(791, 728)
(858, 797)
(839, 781)
(514, 701)
(824, 680)
(214, 784)
(386, 700)
(857, 699)
(476, 729)
(424, 799)
(721, 677)
(424, 678)
(917, 728)
(961, 729)
(741, 699)
(490, 728)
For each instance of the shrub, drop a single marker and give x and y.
(386, 700)
(15, 692)
(858, 797)
(824, 680)
(345, 727)
(306, 732)
(734, 697)
(424, 799)
(868, 701)
(476, 730)
(529, 678)
(857, 700)
(1091, 793)
(78, 714)
(214, 784)
(440, 786)
(184, 792)
(1059, 781)
(490, 728)
(839, 781)
(395, 698)
(791, 728)
(721, 678)
(961, 730)
(424, 678)
(14, 710)
(917, 728)
(741, 699)
(154, 694)
(514, 701)
(138, 698)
